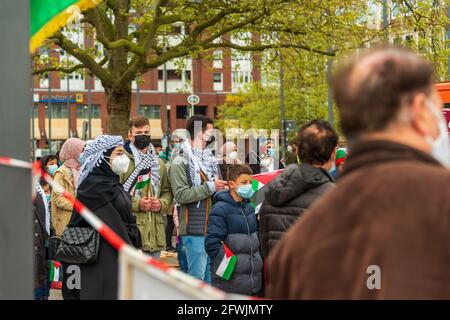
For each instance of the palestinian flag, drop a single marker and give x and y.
(227, 265)
(142, 181)
(259, 183)
(55, 277)
(48, 16)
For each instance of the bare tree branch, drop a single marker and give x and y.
(227, 44)
(82, 56)
(65, 69)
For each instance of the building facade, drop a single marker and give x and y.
(64, 111)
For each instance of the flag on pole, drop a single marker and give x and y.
(48, 16)
(259, 183)
(55, 277)
(142, 181)
(227, 265)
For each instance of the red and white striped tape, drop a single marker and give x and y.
(110, 236)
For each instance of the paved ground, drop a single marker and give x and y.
(167, 257)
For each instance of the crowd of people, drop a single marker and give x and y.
(311, 238)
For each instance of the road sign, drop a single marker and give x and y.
(79, 98)
(193, 99)
(290, 125)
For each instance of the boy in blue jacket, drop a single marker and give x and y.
(232, 239)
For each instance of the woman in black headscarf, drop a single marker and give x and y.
(100, 191)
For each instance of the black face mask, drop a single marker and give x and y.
(211, 139)
(142, 141)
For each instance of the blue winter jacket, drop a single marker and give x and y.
(234, 224)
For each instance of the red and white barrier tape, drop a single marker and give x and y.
(109, 235)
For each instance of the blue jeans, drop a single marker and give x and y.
(182, 260)
(42, 293)
(197, 259)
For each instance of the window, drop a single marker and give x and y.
(447, 105)
(182, 112)
(235, 77)
(187, 75)
(171, 75)
(83, 111)
(409, 40)
(59, 111)
(217, 77)
(150, 112)
(201, 110)
(218, 59)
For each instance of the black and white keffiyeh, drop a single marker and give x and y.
(200, 160)
(144, 163)
(94, 153)
(40, 191)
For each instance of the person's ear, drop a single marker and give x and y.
(232, 185)
(422, 118)
(333, 155)
(130, 136)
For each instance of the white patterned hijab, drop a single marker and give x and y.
(94, 153)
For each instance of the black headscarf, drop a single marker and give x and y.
(100, 186)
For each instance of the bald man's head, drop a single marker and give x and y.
(372, 89)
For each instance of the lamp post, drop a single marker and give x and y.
(282, 115)
(330, 90)
(49, 105)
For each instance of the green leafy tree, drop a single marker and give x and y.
(419, 25)
(134, 37)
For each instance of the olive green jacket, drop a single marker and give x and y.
(185, 194)
(151, 224)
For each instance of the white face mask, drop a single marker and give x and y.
(233, 155)
(440, 149)
(120, 164)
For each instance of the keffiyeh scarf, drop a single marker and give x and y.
(144, 164)
(94, 153)
(200, 160)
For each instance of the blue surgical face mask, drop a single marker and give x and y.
(176, 145)
(48, 198)
(81, 159)
(333, 168)
(51, 169)
(245, 191)
(271, 152)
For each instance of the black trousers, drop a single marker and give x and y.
(169, 231)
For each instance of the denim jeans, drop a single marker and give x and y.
(42, 293)
(182, 260)
(197, 259)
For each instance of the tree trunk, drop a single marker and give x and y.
(118, 103)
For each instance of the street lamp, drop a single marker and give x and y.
(49, 105)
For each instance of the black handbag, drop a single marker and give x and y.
(79, 245)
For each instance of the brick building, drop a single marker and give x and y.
(212, 81)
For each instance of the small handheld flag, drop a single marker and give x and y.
(226, 267)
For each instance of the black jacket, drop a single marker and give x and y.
(41, 266)
(235, 225)
(287, 197)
